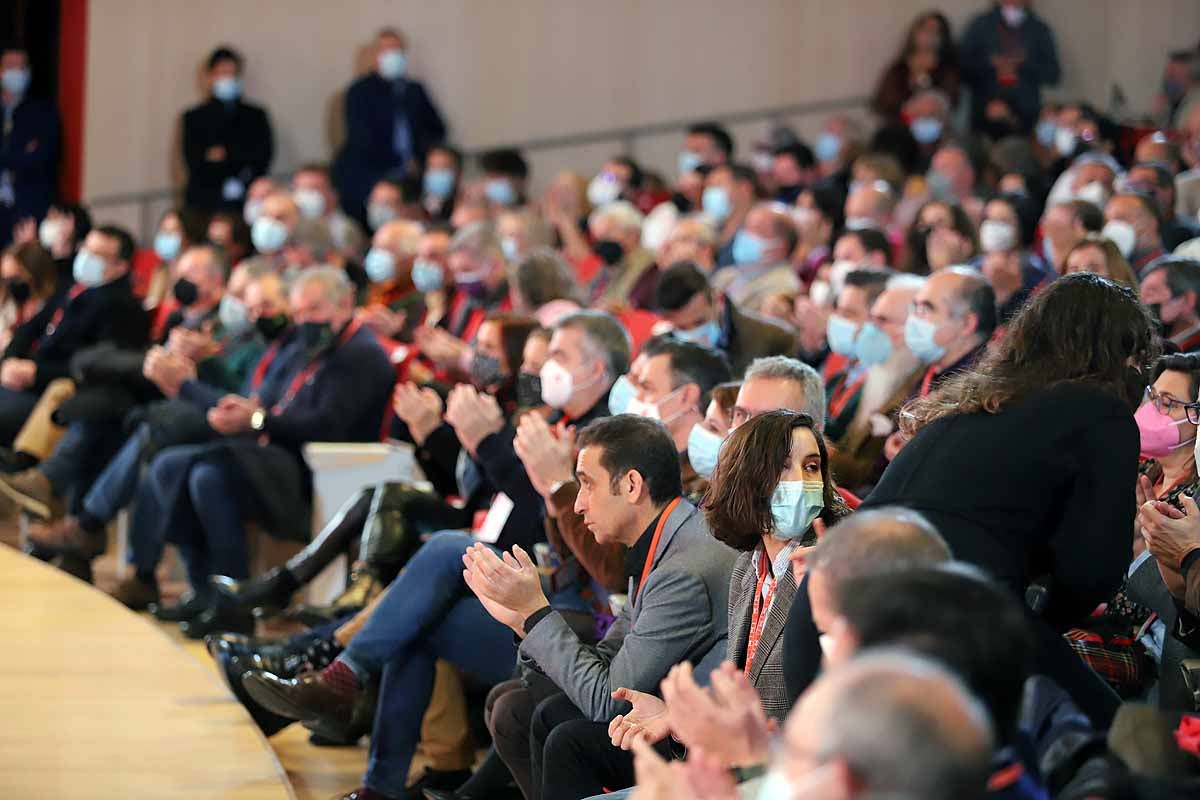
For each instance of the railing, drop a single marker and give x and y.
(625, 137)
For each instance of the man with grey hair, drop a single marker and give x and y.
(326, 380)
(866, 543)
(777, 382)
(625, 273)
(886, 723)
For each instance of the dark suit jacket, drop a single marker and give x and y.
(244, 130)
(344, 400)
(30, 153)
(27, 336)
(102, 314)
(766, 671)
(746, 336)
(372, 105)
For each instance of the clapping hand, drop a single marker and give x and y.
(726, 720)
(382, 320)
(1171, 535)
(509, 587)
(231, 415)
(443, 349)
(473, 416)
(168, 371)
(420, 409)
(548, 460)
(17, 374)
(648, 720)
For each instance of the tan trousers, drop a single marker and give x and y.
(39, 435)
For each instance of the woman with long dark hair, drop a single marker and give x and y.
(1026, 463)
(928, 60)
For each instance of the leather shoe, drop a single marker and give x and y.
(74, 564)
(307, 697)
(231, 669)
(272, 590)
(135, 594)
(68, 536)
(190, 606)
(31, 490)
(216, 619)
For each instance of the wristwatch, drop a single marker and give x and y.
(258, 419)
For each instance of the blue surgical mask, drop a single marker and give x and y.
(715, 202)
(310, 202)
(939, 185)
(234, 317)
(827, 147)
(15, 81)
(508, 245)
(380, 265)
(88, 268)
(747, 248)
(1045, 131)
(392, 64)
(500, 192)
(438, 183)
(840, 333)
(620, 394)
(926, 130)
(794, 505)
(707, 334)
(268, 235)
(873, 346)
(227, 89)
(703, 448)
(688, 162)
(380, 214)
(166, 245)
(427, 275)
(918, 335)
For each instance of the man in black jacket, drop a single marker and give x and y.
(29, 134)
(100, 308)
(391, 123)
(227, 142)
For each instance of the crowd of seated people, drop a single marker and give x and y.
(860, 469)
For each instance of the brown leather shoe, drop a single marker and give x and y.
(31, 490)
(67, 535)
(135, 594)
(308, 697)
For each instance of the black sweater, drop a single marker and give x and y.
(1045, 487)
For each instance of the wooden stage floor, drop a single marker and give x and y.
(100, 702)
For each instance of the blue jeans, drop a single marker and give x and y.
(206, 518)
(426, 614)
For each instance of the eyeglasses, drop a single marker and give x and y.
(1166, 404)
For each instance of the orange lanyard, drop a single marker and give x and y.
(762, 605)
(927, 381)
(662, 523)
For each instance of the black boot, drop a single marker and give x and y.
(217, 619)
(190, 606)
(399, 516)
(273, 590)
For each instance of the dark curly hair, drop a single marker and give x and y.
(1081, 329)
(738, 501)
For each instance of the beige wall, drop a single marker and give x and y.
(512, 70)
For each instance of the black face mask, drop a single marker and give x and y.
(315, 335)
(271, 328)
(486, 371)
(186, 292)
(529, 389)
(610, 252)
(18, 290)
(788, 194)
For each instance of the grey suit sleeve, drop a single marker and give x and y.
(675, 615)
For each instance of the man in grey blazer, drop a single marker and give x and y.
(628, 473)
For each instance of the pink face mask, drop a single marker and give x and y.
(1159, 433)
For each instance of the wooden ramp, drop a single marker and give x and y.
(99, 702)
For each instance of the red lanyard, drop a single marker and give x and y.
(927, 381)
(844, 392)
(760, 609)
(662, 522)
(76, 290)
(303, 377)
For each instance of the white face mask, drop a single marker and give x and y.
(1094, 193)
(997, 236)
(1122, 234)
(310, 202)
(650, 409)
(49, 232)
(558, 384)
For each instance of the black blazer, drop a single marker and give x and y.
(108, 313)
(30, 152)
(1045, 487)
(26, 336)
(372, 105)
(244, 130)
